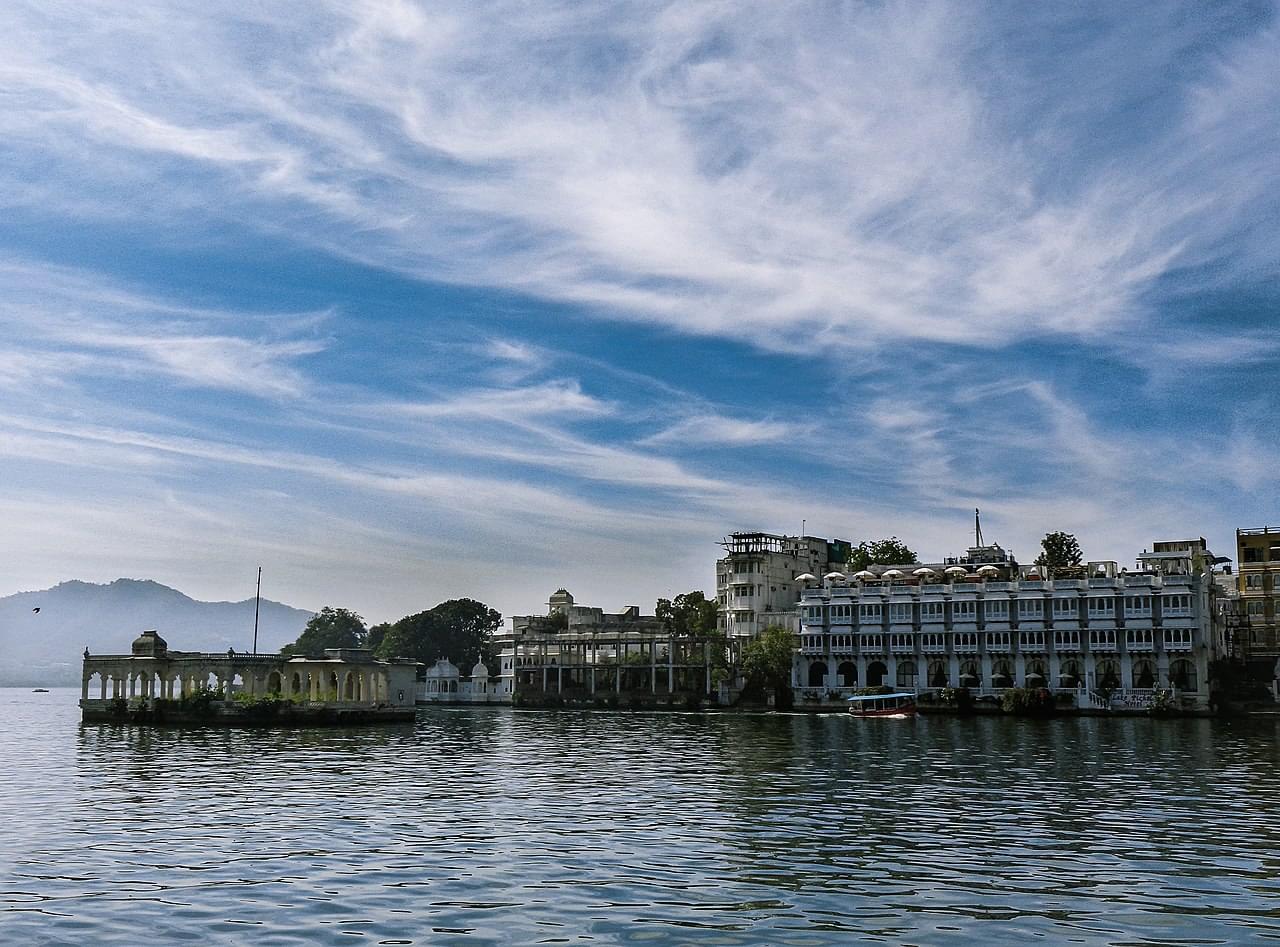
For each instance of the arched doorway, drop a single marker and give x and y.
(1144, 673)
(848, 672)
(1108, 674)
(817, 674)
(875, 673)
(1035, 676)
(1182, 674)
(970, 674)
(938, 674)
(274, 683)
(1069, 673)
(1001, 674)
(907, 675)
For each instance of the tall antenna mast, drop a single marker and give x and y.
(257, 601)
(977, 526)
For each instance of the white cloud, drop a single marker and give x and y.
(713, 429)
(771, 172)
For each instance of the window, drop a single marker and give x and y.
(1064, 608)
(1254, 554)
(1102, 640)
(842, 614)
(1253, 582)
(813, 614)
(1030, 609)
(1031, 640)
(1066, 641)
(1176, 605)
(1253, 609)
(996, 609)
(1177, 639)
(933, 642)
(1136, 606)
(964, 611)
(902, 643)
(1102, 607)
(869, 613)
(900, 613)
(874, 643)
(998, 640)
(930, 611)
(842, 643)
(965, 641)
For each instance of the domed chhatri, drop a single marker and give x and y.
(149, 644)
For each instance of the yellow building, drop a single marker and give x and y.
(1258, 560)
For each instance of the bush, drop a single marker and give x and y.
(1028, 701)
(957, 697)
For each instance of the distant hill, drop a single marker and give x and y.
(45, 647)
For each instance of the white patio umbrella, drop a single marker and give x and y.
(924, 571)
(865, 574)
(892, 574)
(806, 577)
(830, 576)
(988, 570)
(957, 570)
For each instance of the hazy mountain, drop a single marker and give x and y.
(45, 647)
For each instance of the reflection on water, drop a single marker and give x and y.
(500, 826)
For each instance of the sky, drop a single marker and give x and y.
(414, 301)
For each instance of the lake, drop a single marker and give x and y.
(494, 826)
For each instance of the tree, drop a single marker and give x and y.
(376, 634)
(329, 628)
(692, 613)
(885, 552)
(460, 629)
(767, 661)
(1060, 551)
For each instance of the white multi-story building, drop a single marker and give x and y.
(1110, 638)
(759, 581)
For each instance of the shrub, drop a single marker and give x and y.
(1028, 701)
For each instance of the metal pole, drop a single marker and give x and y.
(257, 601)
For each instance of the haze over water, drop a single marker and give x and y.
(499, 826)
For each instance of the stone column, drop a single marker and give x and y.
(671, 665)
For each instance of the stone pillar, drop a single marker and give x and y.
(653, 666)
(1126, 670)
(985, 662)
(1019, 669)
(559, 678)
(104, 685)
(953, 669)
(671, 666)
(1090, 672)
(862, 670)
(891, 671)
(544, 677)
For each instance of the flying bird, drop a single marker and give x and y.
(36, 609)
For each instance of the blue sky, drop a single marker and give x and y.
(414, 301)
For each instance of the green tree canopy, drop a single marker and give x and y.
(692, 613)
(329, 628)
(376, 634)
(460, 629)
(885, 552)
(1061, 550)
(767, 660)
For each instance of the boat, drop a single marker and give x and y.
(883, 705)
(40, 690)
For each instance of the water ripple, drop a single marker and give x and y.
(491, 826)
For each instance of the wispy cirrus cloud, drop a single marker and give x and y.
(774, 172)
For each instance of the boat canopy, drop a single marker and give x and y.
(880, 696)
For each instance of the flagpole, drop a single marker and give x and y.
(257, 601)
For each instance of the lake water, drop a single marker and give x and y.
(484, 826)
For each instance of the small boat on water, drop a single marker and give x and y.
(41, 690)
(883, 705)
